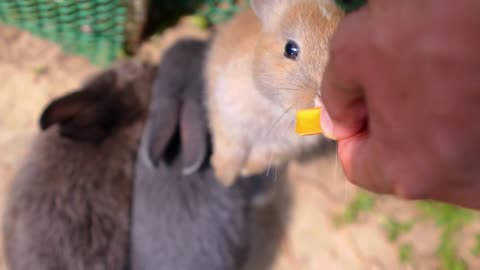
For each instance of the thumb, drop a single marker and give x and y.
(361, 165)
(344, 112)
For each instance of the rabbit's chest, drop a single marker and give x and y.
(248, 116)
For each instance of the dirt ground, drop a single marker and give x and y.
(302, 231)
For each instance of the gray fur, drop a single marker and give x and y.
(183, 218)
(69, 205)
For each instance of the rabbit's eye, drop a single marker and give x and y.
(292, 50)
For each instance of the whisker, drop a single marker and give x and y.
(294, 75)
(306, 77)
(290, 126)
(275, 176)
(279, 119)
(270, 163)
(287, 89)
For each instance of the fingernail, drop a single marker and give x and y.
(327, 124)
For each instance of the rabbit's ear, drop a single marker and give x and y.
(64, 108)
(91, 114)
(165, 109)
(161, 128)
(193, 133)
(79, 116)
(267, 9)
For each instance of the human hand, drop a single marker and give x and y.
(402, 91)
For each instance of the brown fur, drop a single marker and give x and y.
(254, 91)
(69, 205)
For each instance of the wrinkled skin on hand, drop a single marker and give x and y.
(402, 92)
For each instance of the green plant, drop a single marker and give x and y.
(476, 248)
(447, 251)
(350, 5)
(41, 70)
(451, 220)
(395, 228)
(361, 203)
(405, 253)
(446, 216)
(199, 21)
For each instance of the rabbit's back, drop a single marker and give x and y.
(69, 207)
(188, 223)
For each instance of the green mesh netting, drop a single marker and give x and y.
(101, 29)
(95, 29)
(217, 11)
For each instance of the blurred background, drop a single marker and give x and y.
(318, 221)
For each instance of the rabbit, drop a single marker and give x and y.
(69, 205)
(262, 66)
(182, 217)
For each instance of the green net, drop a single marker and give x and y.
(102, 30)
(218, 11)
(95, 29)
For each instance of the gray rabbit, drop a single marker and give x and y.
(183, 218)
(69, 206)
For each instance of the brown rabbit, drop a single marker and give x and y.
(263, 66)
(69, 206)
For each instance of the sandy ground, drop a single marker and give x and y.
(298, 232)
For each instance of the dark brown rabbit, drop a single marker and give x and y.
(69, 206)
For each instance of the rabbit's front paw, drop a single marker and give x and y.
(259, 162)
(261, 159)
(226, 168)
(253, 167)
